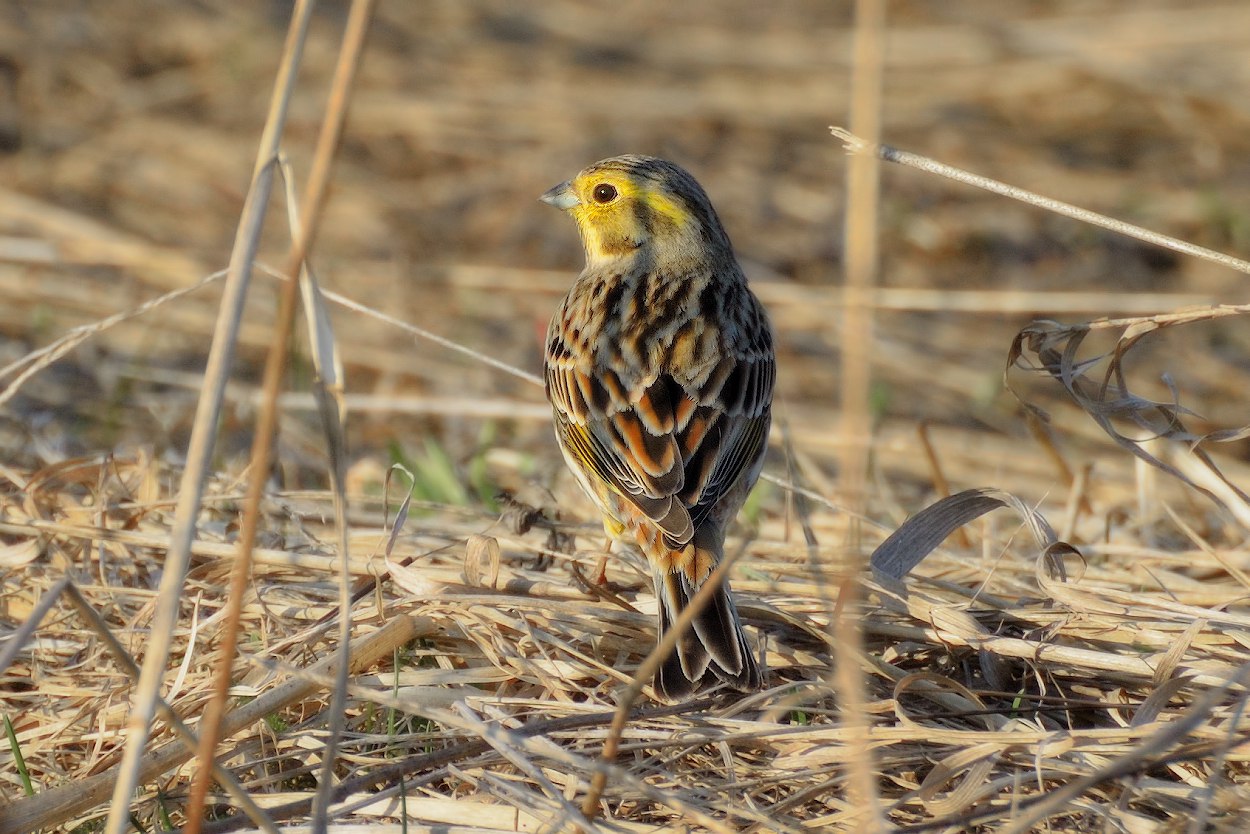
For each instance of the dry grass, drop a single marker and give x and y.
(500, 682)
(1011, 684)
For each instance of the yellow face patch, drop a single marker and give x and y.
(617, 213)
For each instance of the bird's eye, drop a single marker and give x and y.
(604, 193)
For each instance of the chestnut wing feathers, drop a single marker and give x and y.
(672, 450)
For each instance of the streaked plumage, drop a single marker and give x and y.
(660, 369)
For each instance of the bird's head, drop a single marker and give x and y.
(631, 205)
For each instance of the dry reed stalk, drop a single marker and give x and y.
(330, 377)
(868, 145)
(249, 239)
(857, 339)
(198, 453)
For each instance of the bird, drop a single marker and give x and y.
(660, 367)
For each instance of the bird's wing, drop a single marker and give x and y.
(672, 449)
(623, 436)
(738, 414)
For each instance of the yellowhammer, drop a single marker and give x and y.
(660, 370)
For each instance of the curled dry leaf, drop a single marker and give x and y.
(19, 554)
(475, 549)
(1053, 349)
(923, 532)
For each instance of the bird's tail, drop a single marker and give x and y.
(715, 648)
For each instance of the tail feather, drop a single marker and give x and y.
(714, 649)
(682, 672)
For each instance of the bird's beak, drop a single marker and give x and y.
(562, 196)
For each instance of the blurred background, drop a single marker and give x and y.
(128, 135)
